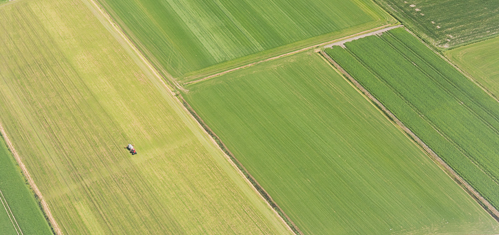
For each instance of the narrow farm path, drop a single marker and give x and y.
(342, 42)
(446, 168)
(352, 37)
(31, 182)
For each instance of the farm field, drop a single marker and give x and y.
(479, 60)
(17, 200)
(327, 156)
(72, 98)
(447, 23)
(452, 115)
(186, 36)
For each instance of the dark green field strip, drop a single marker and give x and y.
(447, 111)
(186, 36)
(329, 158)
(17, 200)
(447, 23)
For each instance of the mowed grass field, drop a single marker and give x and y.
(479, 60)
(446, 110)
(447, 23)
(189, 35)
(19, 211)
(327, 156)
(72, 98)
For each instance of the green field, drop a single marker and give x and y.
(452, 115)
(17, 201)
(447, 23)
(481, 61)
(327, 156)
(72, 98)
(189, 35)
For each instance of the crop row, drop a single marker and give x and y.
(446, 110)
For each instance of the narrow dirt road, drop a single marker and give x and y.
(342, 43)
(355, 36)
(31, 182)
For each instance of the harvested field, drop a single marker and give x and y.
(447, 23)
(451, 114)
(72, 98)
(327, 156)
(186, 36)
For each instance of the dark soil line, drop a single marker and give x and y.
(240, 166)
(441, 163)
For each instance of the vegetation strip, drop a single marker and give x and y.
(441, 163)
(453, 116)
(45, 206)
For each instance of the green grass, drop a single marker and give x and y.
(21, 202)
(72, 98)
(447, 23)
(480, 60)
(330, 159)
(190, 35)
(452, 115)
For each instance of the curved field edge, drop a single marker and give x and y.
(54, 122)
(262, 114)
(160, 27)
(443, 123)
(17, 198)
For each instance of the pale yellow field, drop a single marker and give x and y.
(71, 99)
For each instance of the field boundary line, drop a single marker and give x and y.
(242, 170)
(6, 206)
(31, 182)
(359, 34)
(441, 163)
(183, 103)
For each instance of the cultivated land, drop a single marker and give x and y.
(190, 35)
(481, 61)
(452, 115)
(327, 156)
(447, 23)
(18, 207)
(72, 98)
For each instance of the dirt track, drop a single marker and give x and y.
(342, 43)
(359, 35)
(31, 182)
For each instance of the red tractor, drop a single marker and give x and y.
(131, 149)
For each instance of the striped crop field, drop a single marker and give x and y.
(447, 23)
(190, 35)
(445, 109)
(481, 61)
(72, 98)
(329, 158)
(19, 211)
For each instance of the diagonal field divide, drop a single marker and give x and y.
(11, 216)
(342, 40)
(31, 182)
(97, 10)
(441, 163)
